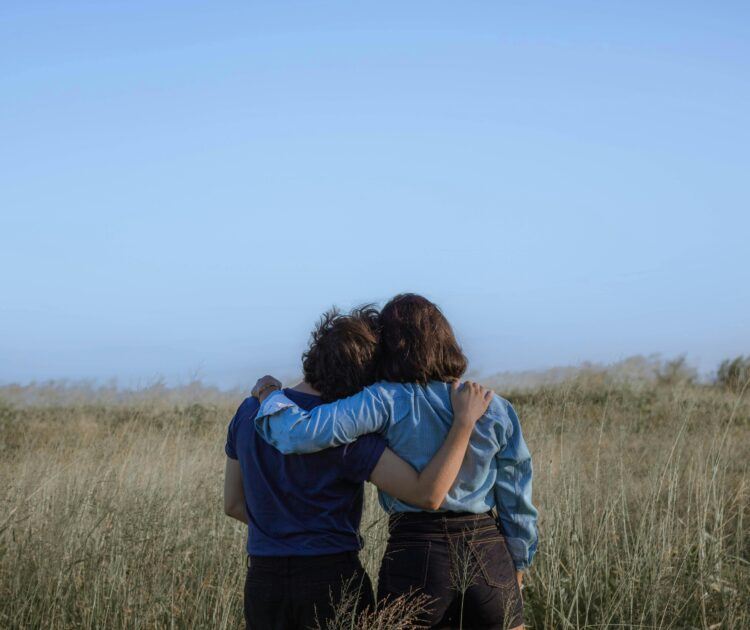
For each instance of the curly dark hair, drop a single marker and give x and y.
(343, 352)
(417, 343)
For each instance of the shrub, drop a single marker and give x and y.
(675, 372)
(734, 374)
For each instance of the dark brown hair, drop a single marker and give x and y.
(343, 352)
(417, 343)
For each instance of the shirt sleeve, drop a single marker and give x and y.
(361, 457)
(247, 407)
(515, 510)
(291, 429)
(230, 448)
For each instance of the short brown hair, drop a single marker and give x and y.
(417, 343)
(343, 352)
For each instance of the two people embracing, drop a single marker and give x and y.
(381, 401)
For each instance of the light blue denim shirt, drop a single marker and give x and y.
(415, 419)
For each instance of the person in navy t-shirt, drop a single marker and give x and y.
(303, 511)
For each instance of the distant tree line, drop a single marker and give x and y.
(732, 374)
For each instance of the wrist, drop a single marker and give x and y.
(463, 422)
(266, 391)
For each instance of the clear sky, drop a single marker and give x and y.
(185, 186)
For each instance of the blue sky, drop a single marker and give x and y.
(185, 187)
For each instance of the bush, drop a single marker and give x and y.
(675, 372)
(734, 374)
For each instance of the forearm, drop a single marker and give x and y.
(290, 432)
(436, 479)
(521, 539)
(428, 488)
(291, 429)
(513, 491)
(516, 511)
(234, 493)
(237, 512)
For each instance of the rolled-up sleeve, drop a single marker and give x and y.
(291, 429)
(516, 512)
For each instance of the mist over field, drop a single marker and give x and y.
(634, 369)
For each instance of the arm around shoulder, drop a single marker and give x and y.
(427, 489)
(291, 429)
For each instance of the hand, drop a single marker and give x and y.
(265, 386)
(470, 402)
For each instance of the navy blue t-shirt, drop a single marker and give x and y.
(300, 505)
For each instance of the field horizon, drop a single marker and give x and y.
(632, 369)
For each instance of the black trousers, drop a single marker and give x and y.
(460, 562)
(299, 593)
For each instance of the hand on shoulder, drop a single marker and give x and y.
(264, 386)
(470, 402)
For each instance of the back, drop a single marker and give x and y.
(421, 416)
(300, 505)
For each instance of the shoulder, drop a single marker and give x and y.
(249, 406)
(244, 415)
(502, 412)
(499, 407)
(247, 410)
(386, 391)
(389, 389)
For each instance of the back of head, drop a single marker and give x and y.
(342, 356)
(417, 343)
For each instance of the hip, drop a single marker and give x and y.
(302, 567)
(443, 526)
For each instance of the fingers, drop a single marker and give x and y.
(478, 390)
(472, 388)
(264, 383)
(269, 380)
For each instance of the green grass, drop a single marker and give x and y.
(112, 514)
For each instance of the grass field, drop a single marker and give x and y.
(112, 512)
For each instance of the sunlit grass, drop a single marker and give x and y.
(112, 514)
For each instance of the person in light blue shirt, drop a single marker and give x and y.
(411, 407)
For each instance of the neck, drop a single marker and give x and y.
(305, 388)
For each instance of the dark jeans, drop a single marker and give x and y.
(297, 592)
(461, 562)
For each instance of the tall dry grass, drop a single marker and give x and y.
(112, 516)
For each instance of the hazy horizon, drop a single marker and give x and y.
(635, 367)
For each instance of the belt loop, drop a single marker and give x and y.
(495, 517)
